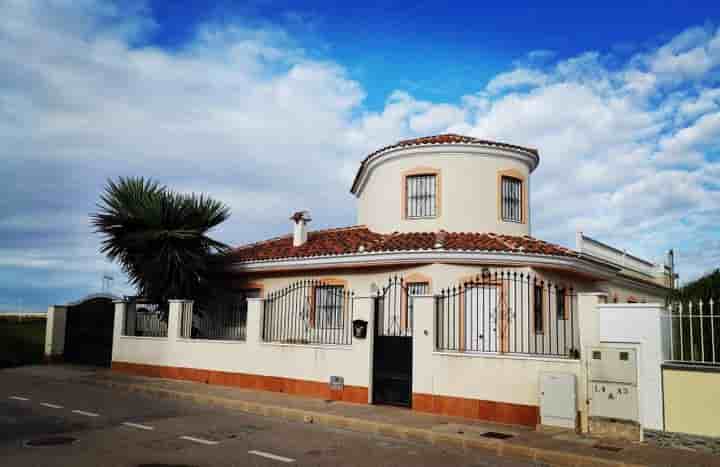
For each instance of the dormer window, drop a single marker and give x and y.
(511, 190)
(421, 195)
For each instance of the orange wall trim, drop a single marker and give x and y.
(500, 412)
(300, 387)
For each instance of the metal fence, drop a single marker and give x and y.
(224, 318)
(694, 332)
(309, 312)
(508, 312)
(146, 320)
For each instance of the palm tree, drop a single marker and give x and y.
(160, 237)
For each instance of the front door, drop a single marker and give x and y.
(392, 349)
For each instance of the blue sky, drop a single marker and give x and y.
(236, 99)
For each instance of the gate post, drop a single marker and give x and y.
(254, 321)
(55, 325)
(177, 306)
(365, 310)
(589, 335)
(422, 354)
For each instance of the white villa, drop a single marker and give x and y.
(438, 299)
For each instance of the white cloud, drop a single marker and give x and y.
(247, 116)
(521, 77)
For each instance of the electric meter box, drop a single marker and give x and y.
(613, 383)
(614, 400)
(613, 365)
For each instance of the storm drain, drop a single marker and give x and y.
(496, 435)
(605, 447)
(49, 441)
(165, 465)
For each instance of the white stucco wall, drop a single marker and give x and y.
(305, 362)
(468, 191)
(639, 326)
(480, 376)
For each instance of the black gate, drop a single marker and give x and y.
(392, 353)
(89, 332)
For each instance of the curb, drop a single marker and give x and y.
(446, 440)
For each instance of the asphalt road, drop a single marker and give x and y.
(116, 428)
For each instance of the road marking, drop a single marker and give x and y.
(200, 440)
(87, 414)
(138, 426)
(272, 456)
(52, 406)
(18, 398)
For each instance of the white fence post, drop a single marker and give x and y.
(55, 324)
(177, 307)
(423, 344)
(589, 330)
(364, 310)
(254, 322)
(121, 310)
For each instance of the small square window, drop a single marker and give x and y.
(624, 356)
(421, 193)
(597, 355)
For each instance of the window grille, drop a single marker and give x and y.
(421, 192)
(560, 301)
(415, 288)
(511, 199)
(329, 301)
(538, 310)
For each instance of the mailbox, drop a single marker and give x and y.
(360, 328)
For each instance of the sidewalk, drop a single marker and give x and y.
(554, 448)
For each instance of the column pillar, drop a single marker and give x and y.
(254, 322)
(423, 348)
(589, 334)
(55, 326)
(365, 310)
(177, 307)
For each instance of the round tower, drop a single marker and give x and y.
(446, 182)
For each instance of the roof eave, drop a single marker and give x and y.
(389, 258)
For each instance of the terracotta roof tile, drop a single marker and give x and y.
(357, 239)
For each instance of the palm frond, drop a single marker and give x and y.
(159, 236)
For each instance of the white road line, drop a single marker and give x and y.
(272, 456)
(138, 426)
(200, 440)
(18, 398)
(87, 414)
(52, 406)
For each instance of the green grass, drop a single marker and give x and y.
(22, 341)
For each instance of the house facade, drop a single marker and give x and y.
(438, 210)
(439, 299)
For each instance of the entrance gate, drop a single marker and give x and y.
(89, 331)
(392, 352)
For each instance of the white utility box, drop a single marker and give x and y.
(558, 400)
(613, 383)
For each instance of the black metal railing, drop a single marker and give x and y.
(309, 312)
(224, 318)
(146, 320)
(394, 311)
(508, 312)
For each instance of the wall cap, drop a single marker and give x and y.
(507, 357)
(180, 300)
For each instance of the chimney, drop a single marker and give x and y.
(300, 219)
